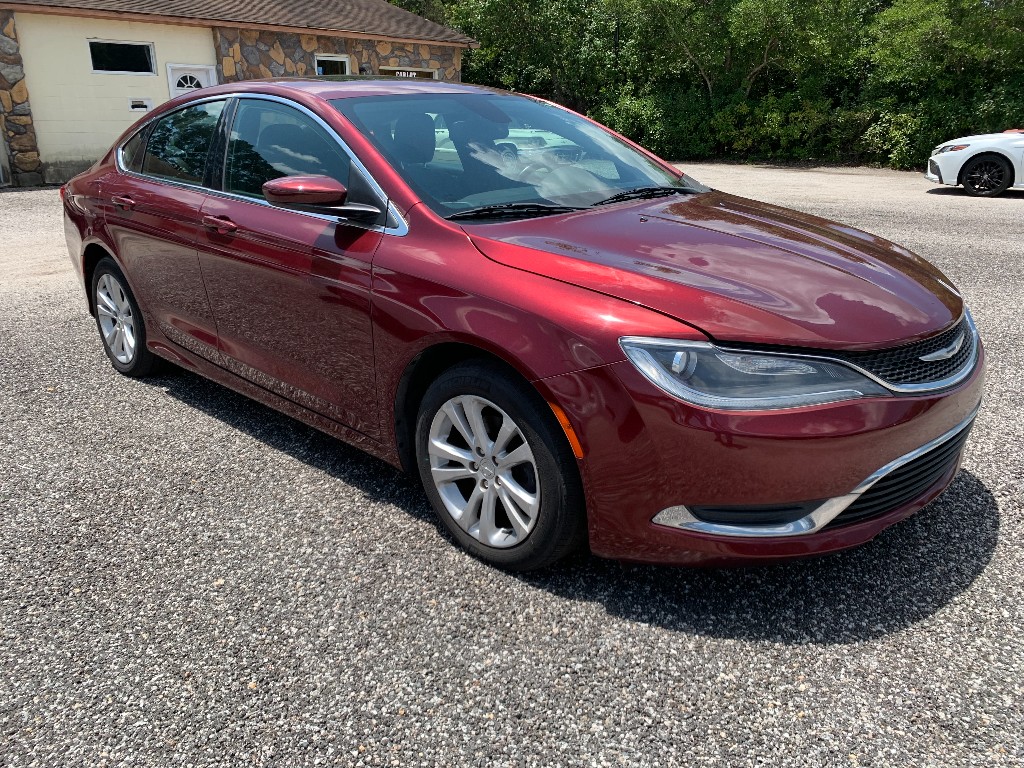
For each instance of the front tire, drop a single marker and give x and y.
(497, 468)
(119, 320)
(987, 176)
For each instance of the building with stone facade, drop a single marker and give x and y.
(75, 74)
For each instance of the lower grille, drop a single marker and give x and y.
(905, 483)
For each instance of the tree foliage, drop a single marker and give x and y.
(824, 80)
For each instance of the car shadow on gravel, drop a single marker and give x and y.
(903, 576)
(1010, 194)
(376, 478)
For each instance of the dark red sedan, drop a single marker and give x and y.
(569, 341)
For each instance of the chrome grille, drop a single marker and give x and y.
(903, 365)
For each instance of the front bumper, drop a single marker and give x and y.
(945, 168)
(900, 481)
(647, 454)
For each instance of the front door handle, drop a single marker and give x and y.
(124, 202)
(220, 224)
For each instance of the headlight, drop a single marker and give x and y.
(703, 374)
(950, 148)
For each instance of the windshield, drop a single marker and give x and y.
(494, 153)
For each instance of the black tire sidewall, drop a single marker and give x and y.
(560, 526)
(142, 363)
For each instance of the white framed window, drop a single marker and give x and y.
(410, 72)
(182, 78)
(118, 57)
(332, 64)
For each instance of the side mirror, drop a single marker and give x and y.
(318, 194)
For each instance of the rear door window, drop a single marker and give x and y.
(179, 144)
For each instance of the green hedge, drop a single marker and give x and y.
(830, 81)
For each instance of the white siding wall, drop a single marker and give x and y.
(78, 113)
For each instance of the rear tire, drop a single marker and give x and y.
(987, 176)
(497, 468)
(119, 320)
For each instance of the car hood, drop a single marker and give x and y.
(738, 270)
(1004, 137)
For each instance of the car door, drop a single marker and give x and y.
(290, 290)
(152, 208)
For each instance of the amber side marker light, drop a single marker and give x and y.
(567, 428)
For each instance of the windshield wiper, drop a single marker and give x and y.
(512, 210)
(640, 193)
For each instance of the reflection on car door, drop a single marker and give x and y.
(152, 214)
(290, 290)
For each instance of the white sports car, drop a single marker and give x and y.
(985, 165)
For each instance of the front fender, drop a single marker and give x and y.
(441, 290)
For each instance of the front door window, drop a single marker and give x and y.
(271, 140)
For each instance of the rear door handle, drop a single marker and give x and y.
(123, 202)
(220, 224)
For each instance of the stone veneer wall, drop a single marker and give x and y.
(244, 54)
(15, 113)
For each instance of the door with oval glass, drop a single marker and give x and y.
(183, 78)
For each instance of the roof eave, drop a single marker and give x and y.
(56, 10)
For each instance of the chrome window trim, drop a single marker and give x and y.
(681, 518)
(400, 229)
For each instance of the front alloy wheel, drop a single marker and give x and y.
(497, 467)
(987, 176)
(484, 471)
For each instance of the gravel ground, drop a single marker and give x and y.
(187, 578)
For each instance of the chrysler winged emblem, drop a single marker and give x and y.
(946, 352)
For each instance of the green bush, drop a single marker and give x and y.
(895, 138)
(833, 81)
(667, 121)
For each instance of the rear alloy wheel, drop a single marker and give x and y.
(987, 176)
(499, 474)
(120, 323)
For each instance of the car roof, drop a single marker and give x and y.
(346, 87)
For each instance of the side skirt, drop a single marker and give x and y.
(185, 359)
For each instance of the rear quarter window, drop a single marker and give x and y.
(132, 151)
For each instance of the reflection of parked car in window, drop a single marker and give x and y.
(526, 142)
(520, 146)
